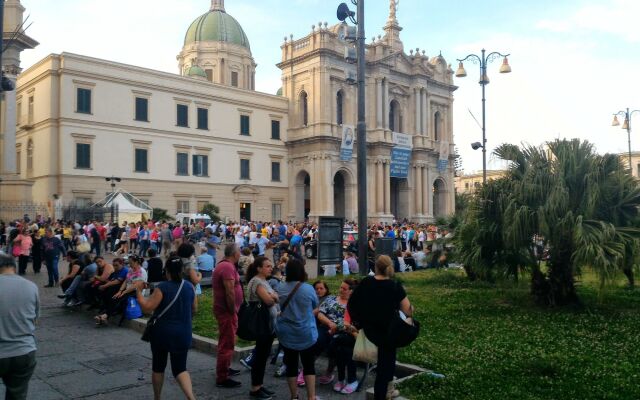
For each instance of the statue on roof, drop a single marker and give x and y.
(393, 8)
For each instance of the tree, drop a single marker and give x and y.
(584, 205)
(212, 211)
(160, 214)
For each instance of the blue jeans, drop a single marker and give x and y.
(144, 245)
(52, 269)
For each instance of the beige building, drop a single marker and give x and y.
(469, 183)
(205, 135)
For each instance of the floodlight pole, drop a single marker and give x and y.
(363, 227)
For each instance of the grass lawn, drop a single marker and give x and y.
(491, 342)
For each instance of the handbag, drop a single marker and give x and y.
(402, 333)
(146, 335)
(133, 309)
(364, 350)
(254, 321)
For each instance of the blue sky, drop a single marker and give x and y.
(574, 62)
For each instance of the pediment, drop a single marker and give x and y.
(246, 189)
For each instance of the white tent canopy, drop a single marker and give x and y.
(129, 207)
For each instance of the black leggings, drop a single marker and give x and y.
(259, 363)
(291, 361)
(385, 369)
(159, 356)
(341, 350)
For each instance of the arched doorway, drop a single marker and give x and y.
(303, 195)
(339, 195)
(439, 198)
(399, 188)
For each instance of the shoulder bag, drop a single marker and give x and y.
(402, 333)
(364, 350)
(146, 336)
(254, 320)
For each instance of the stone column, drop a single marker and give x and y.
(417, 125)
(9, 138)
(426, 190)
(385, 98)
(423, 111)
(387, 188)
(418, 189)
(379, 117)
(427, 121)
(380, 187)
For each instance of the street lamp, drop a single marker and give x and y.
(505, 68)
(113, 181)
(625, 125)
(343, 13)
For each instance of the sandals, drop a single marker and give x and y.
(101, 319)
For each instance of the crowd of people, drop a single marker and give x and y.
(158, 267)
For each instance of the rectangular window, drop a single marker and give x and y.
(141, 160)
(83, 155)
(638, 170)
(30, 110)
(209, 73)
(142, 109)
(182, 115)
(244, 169)
(18, 113)
(200, 165)
(83, 101)
(83, 202)
(18, 162)
(183, 164)
(276, 211)
(183, 206)
(244, 125)
(275, 171)
(203, 118)
(234, 79)
(275, 129)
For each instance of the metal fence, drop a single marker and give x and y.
(10, 211)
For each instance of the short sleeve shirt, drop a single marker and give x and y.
(225, 270)
(333, 310)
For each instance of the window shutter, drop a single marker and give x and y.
(205, 166)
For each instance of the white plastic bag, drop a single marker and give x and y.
(364, 350)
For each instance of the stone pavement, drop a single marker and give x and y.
(77, 360)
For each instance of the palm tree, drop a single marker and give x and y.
(584, 205)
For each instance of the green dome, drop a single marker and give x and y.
(216, 26)
(194, 70)
(279, 92)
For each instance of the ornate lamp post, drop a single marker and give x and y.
(358, 18)
(113, 181)
(625, 125)
(483, 60)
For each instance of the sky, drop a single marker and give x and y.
(574, 62)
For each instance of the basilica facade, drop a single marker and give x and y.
(178, 141)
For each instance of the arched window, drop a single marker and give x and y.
(395, 117)
(339, 106)
(30, 155)
(304, 108)
(436, 126)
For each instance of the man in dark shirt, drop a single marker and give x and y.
(95, 239)
(51, 249)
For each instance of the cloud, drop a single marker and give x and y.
(615, 17)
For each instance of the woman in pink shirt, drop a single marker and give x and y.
(23, 240)
(177, 234)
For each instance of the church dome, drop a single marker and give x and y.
(196, 72)
(216, 26)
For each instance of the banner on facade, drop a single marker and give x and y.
(346, 147)
(443, 159)
(400, 155)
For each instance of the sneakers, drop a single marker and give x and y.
(260, 394)
(228, 384)
(350, 387)
(300, 381)
(233, 372)
(281, 371)
(247, 361)
(325, 379)
(339, 386)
